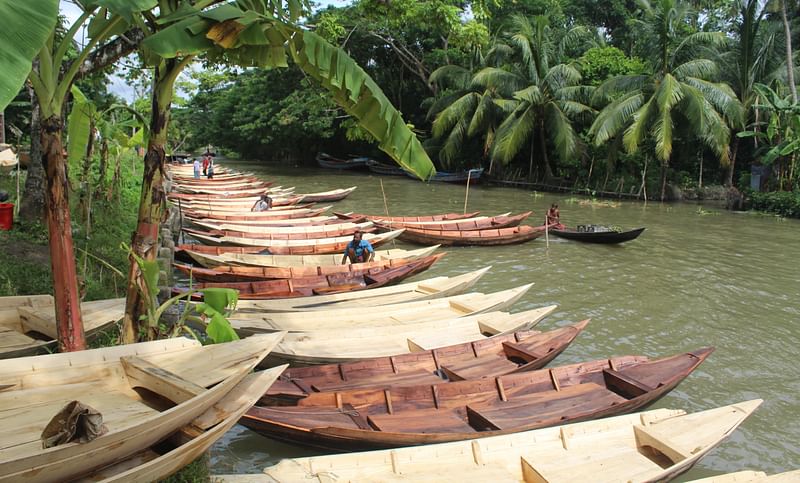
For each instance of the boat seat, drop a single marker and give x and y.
(649, 437)
(461, 307)
(410, 378)
(527, 354)
(475, 368)
(546, 408)
(142, 373)
(421, 421)
(623, 385)
(11, 340)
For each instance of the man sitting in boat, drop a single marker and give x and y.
(263, 204)
(553, 215)
(358, 250)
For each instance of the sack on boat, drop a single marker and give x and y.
(75, 422)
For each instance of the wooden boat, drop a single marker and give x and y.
(213, 224)
(325, 284)
(385, 315)
(473, 175)
(327, 161)
(317, 246)
(277, 205)
(327, 196)
(361, 419)
(190, 442)
(502, 236)
(28, 323)
(244, 259)
(432, 288)
(256, 215)
(655, 445)
(604, 236)
(233, 186)
(183, 249)
(469, 224)
(236, 273)
(290, 232)
(223, 198)
(519, 351)
(177, 381)
(752, 477)
(287, 227)
(385, 169)
(442, 217)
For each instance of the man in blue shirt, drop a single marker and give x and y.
(358, 250)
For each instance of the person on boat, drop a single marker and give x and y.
(553, 215)
(196, 165)
(263, 204)
(358, 250)
(210, 167)
(206, 161)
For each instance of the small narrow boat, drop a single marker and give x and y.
(207, 259)
(28, 323)
(316, 246)
(144, 392)
(236, 273)
(325, 160)
(213, 224)
(288, 233)
(654, 445)
(385, 315)
(382, 218)
(428, 289)
(182, 250)
(286, 227)
(519, 351)
(327, 196)
(365, 419)
(502, 236)
(255, 215)
(325, 284)
(505, 220)
(385, 169)
(471, 175)
(595, 234)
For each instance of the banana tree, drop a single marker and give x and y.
(248, 33)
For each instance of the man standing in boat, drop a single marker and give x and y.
(358, 250)
(263, 204)
(196, 166)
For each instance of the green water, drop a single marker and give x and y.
(696, 277)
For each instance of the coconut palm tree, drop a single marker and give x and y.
(681, 87)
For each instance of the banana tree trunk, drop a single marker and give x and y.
(151, 205)
(62, 257)
(32, 206)
(787, 31)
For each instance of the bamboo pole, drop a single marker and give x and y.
(466, 196)
(546, 232)
(386, 208)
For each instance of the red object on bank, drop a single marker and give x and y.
(6, 216)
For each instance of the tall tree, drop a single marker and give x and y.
(257, 33)
(680, 87)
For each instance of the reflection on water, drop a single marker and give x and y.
(728, 280)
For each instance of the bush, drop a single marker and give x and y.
(784, 203)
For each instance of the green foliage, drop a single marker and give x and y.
(26, 28)
(600, 63)
(784, 203)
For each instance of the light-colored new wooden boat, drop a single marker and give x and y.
(428, 289)
(327, 196)
(654, 445)
(254, 260)
(256, 215)
(178, 380)
(28, 323)
(191, 441)
(385, 315)
(299, 247)
(333, 346)
(290, 232)
(265, 230)
(502, 236)
(442, 217)
(221, 187)
(287, 204)
(752, 477)
(235, 192)
(308, 221)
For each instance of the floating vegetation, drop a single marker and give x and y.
(702, 212)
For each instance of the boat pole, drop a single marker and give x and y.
(386, 208)
(546, 232)
(466, 196)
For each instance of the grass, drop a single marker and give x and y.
(194, 472)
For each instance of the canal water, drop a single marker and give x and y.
(698, 276)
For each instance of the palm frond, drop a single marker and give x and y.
(576, 109)
(561, 132)
(455, 141)
(662, 132)
(482, 115)
(701, 68)
(714, 39)
(561, 75)
(531, 94)
(455, 112)
(499, 79)
(668, 93)
(635, 133)
(615, 116)
(617, 85)
(513, 133)
(722, 98)
(451, 75)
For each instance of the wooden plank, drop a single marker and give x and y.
(142, 373)
(649, 438)
(623, 385)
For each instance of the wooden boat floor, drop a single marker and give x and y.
(420, 376)
(577, 400)
(439, 422)
(13, 340)
(22, 412)
(484, 366)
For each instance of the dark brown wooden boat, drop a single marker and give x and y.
(372, 418)
(443, 217)
(325, 284)
(520, 351)
(595, 234)
(468, 224)
(234, 273)
(502, 236)
(300, 235)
